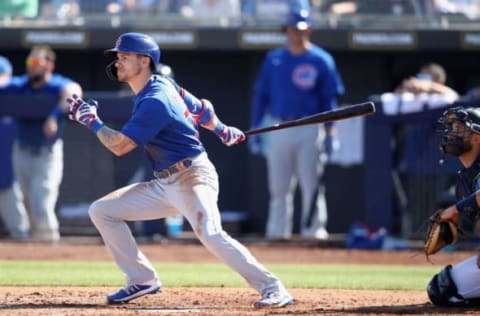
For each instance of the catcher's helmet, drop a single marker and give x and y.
(454, 136)
(136, 43)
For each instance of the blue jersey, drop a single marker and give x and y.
(291, 86)
(162, 124)
(7, 132)
(30, 130)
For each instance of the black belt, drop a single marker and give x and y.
(167, 172)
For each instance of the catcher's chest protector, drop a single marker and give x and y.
(467, 180)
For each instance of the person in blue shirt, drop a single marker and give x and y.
(164, 122)
(297, 80)
(12, 210)
(38, 150)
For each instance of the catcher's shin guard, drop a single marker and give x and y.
(442, 291)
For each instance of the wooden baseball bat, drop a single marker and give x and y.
(337, 114)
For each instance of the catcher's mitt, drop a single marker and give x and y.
(440, 233)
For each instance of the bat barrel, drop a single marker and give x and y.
(337, 114)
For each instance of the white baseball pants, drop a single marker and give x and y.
(13, 213)
(191, 192)
(40, 175)
(296, 155)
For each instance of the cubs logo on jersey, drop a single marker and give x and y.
(304, 76)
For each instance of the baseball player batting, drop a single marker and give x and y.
(164, 122)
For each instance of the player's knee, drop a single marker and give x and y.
(95, 211)
(442, 290)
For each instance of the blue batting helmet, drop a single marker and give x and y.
(136, 43)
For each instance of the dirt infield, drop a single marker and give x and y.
(40, 301)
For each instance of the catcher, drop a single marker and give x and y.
(458, 285)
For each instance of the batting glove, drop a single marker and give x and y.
(84, 112)
(231, 135)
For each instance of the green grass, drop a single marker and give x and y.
(386, 277)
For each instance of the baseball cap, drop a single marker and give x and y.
(5, 71)
(299, 19)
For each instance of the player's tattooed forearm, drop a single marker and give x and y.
(109, 137)
(115, 141)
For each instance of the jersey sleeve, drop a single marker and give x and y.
(149, 117)
(331, 85)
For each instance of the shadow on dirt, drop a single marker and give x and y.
(414, 309)
(47, 306)
(74, 307)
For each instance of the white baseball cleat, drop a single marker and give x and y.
(318, 234)
(274, 299)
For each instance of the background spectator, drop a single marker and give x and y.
(269, 8)
(384, 7)
(19, 8)
(38, 152)
(422, 181)
(430, 79)
(61, 9)
(139, 6)
(210, 11)
(467, 8)
(295, 81)
(12, 211)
